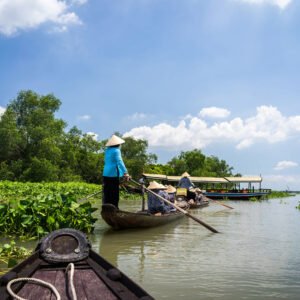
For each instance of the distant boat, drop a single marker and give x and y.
(221, 187)
(198, 204)
(64, 260)
(119, 219)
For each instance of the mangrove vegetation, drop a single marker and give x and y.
(37, 147)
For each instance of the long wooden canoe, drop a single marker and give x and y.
(119, 219)
(94, 277)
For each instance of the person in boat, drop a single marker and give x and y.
(199, 198)
(185, 182)
(171, 190)
(155, 204)
(114, 169)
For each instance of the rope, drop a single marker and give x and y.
(31, 280)
(71, 266)
(44, 283)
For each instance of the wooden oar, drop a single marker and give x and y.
(180, 209)
(218, 202)
(89, 196)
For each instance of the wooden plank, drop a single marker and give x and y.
(93, 287)
(36, 291)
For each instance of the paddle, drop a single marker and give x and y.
(89, 196)
(179, 208)
(215, 201)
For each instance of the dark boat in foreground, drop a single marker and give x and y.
(64, 260)
(119, 219)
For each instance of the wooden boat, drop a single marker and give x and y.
(198, 204)
(119, 219)
(90, 276)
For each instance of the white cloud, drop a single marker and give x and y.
(285, 164)
(282, 4)
(137, 116)
(16, 15)
(84, 117)
(281, 182)
(2, 110)
(268, 125)
(93, 135)
(214, 112)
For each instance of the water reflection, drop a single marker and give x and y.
(256, 256)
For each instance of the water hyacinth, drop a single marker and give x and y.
(39, 213)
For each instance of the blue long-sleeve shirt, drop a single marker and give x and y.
(155, 204)
(185, 182)
(113, 163)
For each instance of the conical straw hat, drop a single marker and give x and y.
(162, 187)
(114, 141)
(185, 174)
(154, 185)
(171, 189)
(198, 190)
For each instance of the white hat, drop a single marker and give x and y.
(154, 185)
(198, 190)
(185, 174)
(114, 141)
(171, 189)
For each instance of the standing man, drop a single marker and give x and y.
(114, 169)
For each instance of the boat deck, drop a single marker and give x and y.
(87, 285)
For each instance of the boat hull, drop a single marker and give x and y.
(119, 219)
(198, 205)
(94, 278)
(235, 196)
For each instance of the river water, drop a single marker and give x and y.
(256, 255)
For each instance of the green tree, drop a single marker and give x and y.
(197, 164)
(32, 137)
(190, 161)
(82, 157)
(12, 145)
(216, 167)
(135, 156)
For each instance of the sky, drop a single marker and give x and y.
(219, 75)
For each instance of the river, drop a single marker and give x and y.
(256, 255)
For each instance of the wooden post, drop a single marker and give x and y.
(143, 195)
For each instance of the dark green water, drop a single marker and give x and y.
(257, 255)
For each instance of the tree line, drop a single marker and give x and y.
(36, 146)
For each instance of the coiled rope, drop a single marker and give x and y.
(44, 283)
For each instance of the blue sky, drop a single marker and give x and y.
(218, 75)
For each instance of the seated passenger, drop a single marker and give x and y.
(171, 190)
(155, 204)
(171, 196)
(199, 198)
